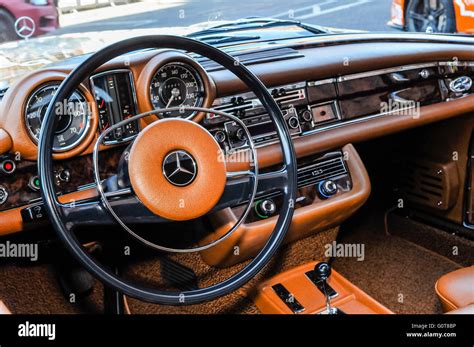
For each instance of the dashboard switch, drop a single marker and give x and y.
(8, 166)
(33, 213)
(265, 208)
(3, 195)
(326, 189)
(34, 183)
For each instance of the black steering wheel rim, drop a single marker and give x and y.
(45, 169)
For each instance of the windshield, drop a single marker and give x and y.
(34, 33)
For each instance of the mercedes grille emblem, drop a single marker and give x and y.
(179, 168)
(25, 27)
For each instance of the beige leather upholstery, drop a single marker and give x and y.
(456, 289)
(469, 309)
(4, 309)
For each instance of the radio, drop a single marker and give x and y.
(292, 101)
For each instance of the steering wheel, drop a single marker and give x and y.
(148, 196)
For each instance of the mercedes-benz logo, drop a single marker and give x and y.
(179, 168)
(461, 84)
(25, 27)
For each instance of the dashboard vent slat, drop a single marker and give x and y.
(323, 170)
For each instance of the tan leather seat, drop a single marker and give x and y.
(456, 289)
(4, 309)
(463, 310)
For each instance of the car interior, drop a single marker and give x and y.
(204, 174)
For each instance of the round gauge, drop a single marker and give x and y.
(176, 85)
(72, 124)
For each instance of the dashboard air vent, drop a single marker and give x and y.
(323, 170)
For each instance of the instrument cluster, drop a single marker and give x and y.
(115, 98)
(73, 121)
(176, 84)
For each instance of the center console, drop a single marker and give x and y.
(305, 290)
(331, 187)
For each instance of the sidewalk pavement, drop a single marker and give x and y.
(103, 13)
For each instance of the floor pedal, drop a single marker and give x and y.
(178, 276)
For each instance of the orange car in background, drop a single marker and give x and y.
(446, 16)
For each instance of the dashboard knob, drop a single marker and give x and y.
(293, 122)
(3, 195)
(265, 208)
(219, 136)
(307, 116)
(327, 188)
(240, 134)
(64, 176)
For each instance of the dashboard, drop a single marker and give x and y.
(316, 105)
(330, 98)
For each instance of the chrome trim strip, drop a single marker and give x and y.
(321, 82)
(385, 71)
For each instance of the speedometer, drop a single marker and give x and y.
(176, 85)
(72, 124)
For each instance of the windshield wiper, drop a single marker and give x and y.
(256, 23)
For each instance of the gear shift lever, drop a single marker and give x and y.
(322, 271)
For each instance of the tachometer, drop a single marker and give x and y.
(72, 125)
(175, 85)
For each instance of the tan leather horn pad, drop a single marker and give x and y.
(146, 169)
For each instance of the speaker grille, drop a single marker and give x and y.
(431, 184)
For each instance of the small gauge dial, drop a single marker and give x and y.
(72, 124)
(176, 85)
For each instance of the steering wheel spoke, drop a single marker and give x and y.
(91, 212)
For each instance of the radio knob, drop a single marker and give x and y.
(326, 189)
(307, 116)
(293, 122)
(265, 208)
(219, 136)
(240, 134)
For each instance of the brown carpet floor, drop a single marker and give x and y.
(396, 272)
(34, 289)
(290, 256)
(456, 248)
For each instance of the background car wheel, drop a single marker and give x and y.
(7, 27)
(431, 16)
